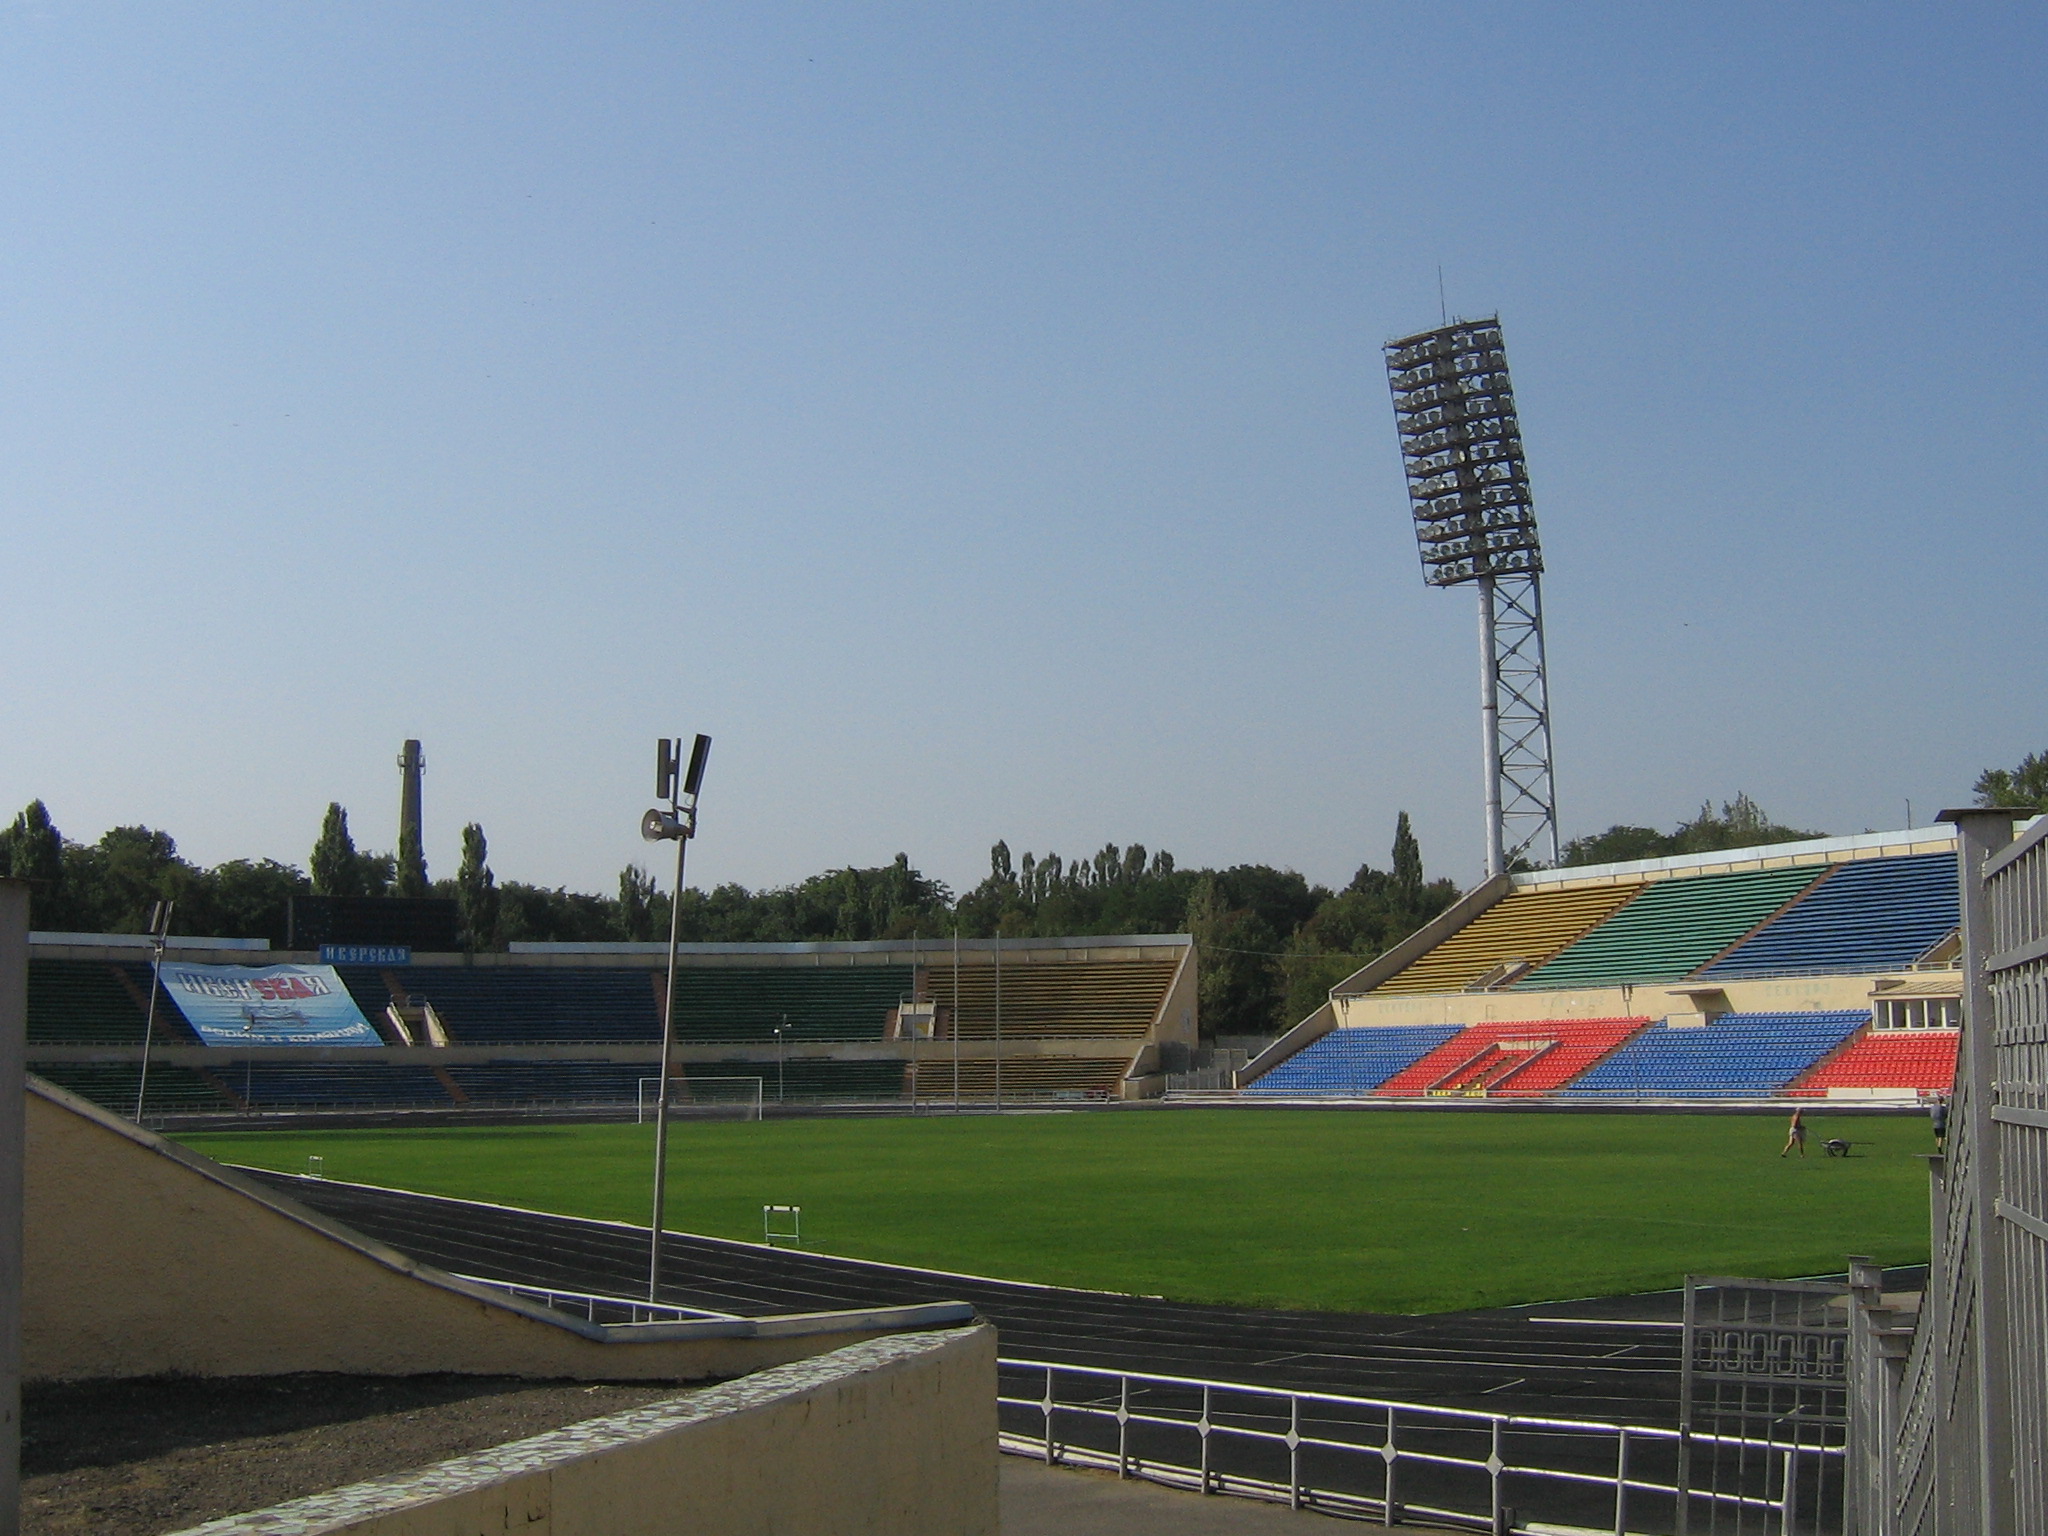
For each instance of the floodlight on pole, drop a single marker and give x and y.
(677, 824)
(1475, 522)
(159, 934)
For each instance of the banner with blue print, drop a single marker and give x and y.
(267, 1005)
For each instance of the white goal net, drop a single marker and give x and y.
(701, 1098)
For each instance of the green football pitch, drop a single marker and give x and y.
(1389, 1211)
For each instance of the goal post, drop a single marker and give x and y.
(700, 1098)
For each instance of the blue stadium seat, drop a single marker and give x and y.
(1876, 916)
(1737, 1056)
(1352, 1062)
(310, 1084)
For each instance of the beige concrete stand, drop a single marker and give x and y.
(144, 1258)
(894, 1437)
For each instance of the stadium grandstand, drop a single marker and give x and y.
(1823, 969)
(579, 1026)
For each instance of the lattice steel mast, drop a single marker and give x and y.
(1461, 446)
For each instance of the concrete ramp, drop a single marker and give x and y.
(144, 1258)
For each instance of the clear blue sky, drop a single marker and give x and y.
(973, 418)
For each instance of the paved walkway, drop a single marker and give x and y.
(1066, 1501)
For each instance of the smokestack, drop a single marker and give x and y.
(412, 863)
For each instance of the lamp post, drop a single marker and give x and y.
(778, 1057)
(999, 1015)
(159, 931)
(677, 824)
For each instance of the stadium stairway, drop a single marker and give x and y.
(1525, 927)
(1673, 928)
(1350, 1063)
(170, 1026)
(1921, 1060)
(1880, 915)
(1735, 1056)
(1523, 1059)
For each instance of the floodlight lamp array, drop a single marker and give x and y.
(1461, 449)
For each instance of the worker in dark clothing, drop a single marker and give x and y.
(1937, 1120)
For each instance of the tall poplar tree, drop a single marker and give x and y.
(476, 892)
(337, 870)
(1407, 861)
(411, 878)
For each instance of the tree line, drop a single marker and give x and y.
(1272, 943)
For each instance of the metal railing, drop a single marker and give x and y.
(599, 1309)
(1374, 1458)
(1950, 1409)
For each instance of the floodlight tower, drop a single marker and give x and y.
(1468, 484)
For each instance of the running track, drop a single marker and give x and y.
(1499, 1361)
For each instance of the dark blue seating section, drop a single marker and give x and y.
(81, 1002)
(519, 1005)
(310, 1084)
(1353, 1061)
(737, 1002)
(522, 1005)
(111, 1085)
(1737, 1056)
(1876, 916)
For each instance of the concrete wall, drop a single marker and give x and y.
(895, 1437)
(144, 1258)
(1782, 994)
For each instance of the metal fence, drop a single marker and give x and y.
(1764, 1373)
(1949, 1411)
(1380, 1460)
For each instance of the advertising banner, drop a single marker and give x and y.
(268, 1005)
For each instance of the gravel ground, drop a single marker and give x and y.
(138, 1458)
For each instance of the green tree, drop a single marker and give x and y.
(114, 883)
(1239, 984)
(336, 867)
(476, 892)
(1740, 823)
(636, 905)
(1619, 844)
(1376, 911)
(410, 875)
(32, 849)
(247, 899)
(1407, 861)
(2024, 787)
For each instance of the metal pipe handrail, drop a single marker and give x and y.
(1496, 1465)
(588, 1302)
